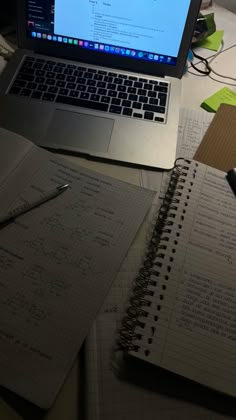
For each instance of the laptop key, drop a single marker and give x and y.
(97, 77)
(94, 97)
(137, 105)
(39, 79)
(36, 94)
(121, 88)
(71, 86)
(116, 101)
(20, 83)
(61, 83)
(142, 92)
(84, 95)
(163, 84)
(154, 101)
(132, 90)
(15, 90)
(81, 88)
(122, 95)
(48, 97)
(159, 119)
(58, 69)
(127, 111)
(143, 99)
(105, 99)
(50, 82)
(39, 73)
(74, 94)
(152, 94)
(25, 92)
(30, 85)
(133, 97)
(102, 91)
(117, 81)
(153, 108)
(115, 109)
(92, 89)
(128, 83)
(60, 76)
(99, 106)
(158, 88)
(101, 84)
(112, 93)
(68, 71)
(26, 77)
(63, 91)
(147, 86)
(42, 87)
(137, 115)
(163, 98)
(126, 103)
(27, 70)
(53, 89)
(148, 115)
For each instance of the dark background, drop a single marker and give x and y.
(7, 14)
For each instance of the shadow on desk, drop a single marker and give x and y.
(155, 379)
(67, 406)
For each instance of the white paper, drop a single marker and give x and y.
(57, 263)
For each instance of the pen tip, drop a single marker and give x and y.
(63, 187)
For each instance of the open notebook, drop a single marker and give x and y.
(104, 390)
(183, 304)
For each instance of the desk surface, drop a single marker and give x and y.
(195, 89)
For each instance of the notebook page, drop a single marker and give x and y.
(108, 397)
(57, 263)
(194, 305)
(14, 149)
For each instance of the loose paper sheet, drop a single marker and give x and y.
(57, 263)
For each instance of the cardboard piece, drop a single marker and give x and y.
(218, 146)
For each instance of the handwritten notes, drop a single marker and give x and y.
(57, 263)
(194, 301)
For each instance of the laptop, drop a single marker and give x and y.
(99, 78)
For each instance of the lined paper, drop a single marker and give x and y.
(194, 304)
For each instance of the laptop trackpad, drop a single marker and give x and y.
(75, 130)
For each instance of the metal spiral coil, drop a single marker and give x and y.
(140, 293)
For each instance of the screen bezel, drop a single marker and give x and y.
(72, 52)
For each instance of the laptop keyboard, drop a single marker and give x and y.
(86, 87)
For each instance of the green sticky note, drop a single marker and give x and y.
(213, 41)
(222, 96)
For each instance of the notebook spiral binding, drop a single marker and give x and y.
(141, 292)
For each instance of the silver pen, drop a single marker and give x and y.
(24, 208)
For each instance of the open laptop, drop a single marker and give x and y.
(99, 77)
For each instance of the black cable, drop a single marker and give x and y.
(202, 60)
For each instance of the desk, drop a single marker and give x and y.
(195, 89)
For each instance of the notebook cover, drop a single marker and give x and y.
(218, 146)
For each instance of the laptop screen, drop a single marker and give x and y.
(148, 30)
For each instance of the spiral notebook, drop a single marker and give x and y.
(183, 304)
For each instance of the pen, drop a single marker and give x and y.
(18, 211)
